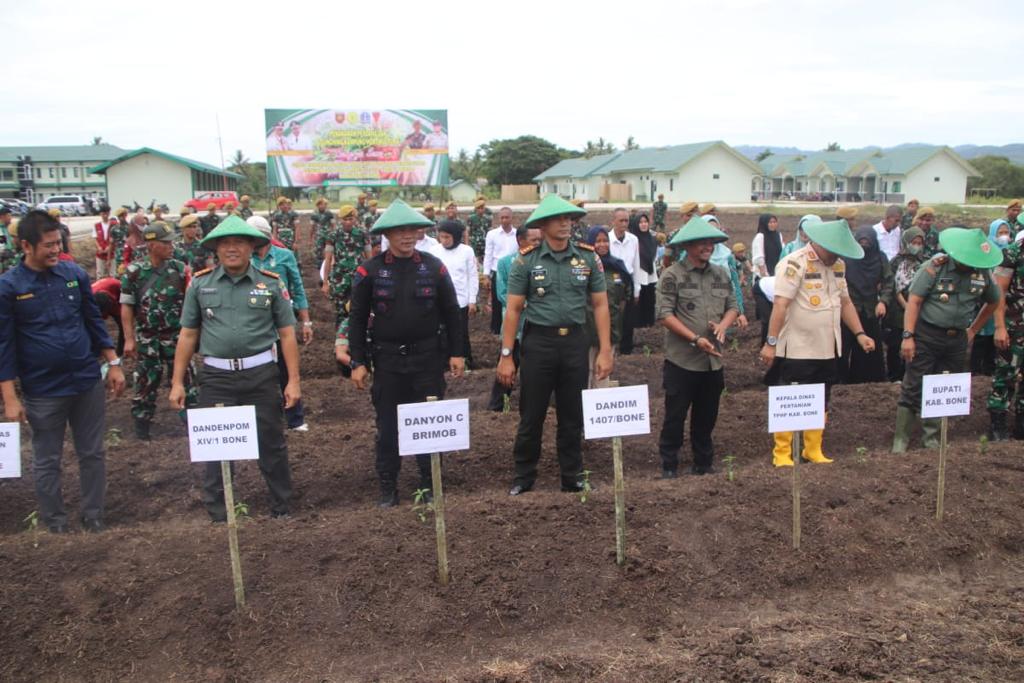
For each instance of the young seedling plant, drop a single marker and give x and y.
(983, 444)
(587, 488)
(32, 525)
(113, 437)
(241, 509)
(862, 453)
(730, 470)
(420, 505)
(506, 405)
(647, 351)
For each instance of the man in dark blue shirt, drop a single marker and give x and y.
(51, 333)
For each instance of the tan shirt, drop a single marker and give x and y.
(696, 297)
(816, 291)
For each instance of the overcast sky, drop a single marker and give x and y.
(744, 71)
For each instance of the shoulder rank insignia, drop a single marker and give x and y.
(269, 273)
(526, 250)
(584, 245)
(204, 271)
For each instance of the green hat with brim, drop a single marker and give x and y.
(834, 237)
(234, 226)
(970, 247)
(400, 215)
(697, 229)
(552, 205)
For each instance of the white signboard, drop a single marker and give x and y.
(223, 434)
(616, 411)
(10, 450)
(796, 407)
(946, 395)
(433, 427)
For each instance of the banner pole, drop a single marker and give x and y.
(796, 489)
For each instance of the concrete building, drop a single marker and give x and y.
(463, 192)
(145, 174)
(704, 171)
(35, 173)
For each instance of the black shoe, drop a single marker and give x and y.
(93, 526)
(669, 474)
(518, 489)
(1018, 425)
(280, 514)
(701, 470)
(57, 528)
(998, 431)
(142, 429)
(576, 487)
(388, 499)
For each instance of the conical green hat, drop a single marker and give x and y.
(400, 215)
(234, 226)
(834, 237)
(970, 247)
(553, 205)
(697, 229)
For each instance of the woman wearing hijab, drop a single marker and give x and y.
(620, 286)
(765, 252)
(640, 226)
(460, 261)
(869, 282)
(723, 256)
(904, 268)
(800, 241)
(983, 351)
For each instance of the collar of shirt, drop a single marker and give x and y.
(235, 279)
(569, 251)
(688, 266)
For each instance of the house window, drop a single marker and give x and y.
(799, 187)
(714, 176)
(936, 178)
(39, 174)
(7, 174)
(75, 169)
(897, 186)
(63, 173)
(51, 171)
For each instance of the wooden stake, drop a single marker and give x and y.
(796, 490)
(439, 527)
(620, 497)
(940, 496)
(236, 560)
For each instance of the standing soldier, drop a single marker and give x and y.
(237, 313)
(189, 249)
(907, 221)
(660, 209)
(229, 209)
(553, 282)
(943, 296)
(925, 219)
(1007, 384)
(284, 222)
(210, 221)
(370, 217)
(411, 296)
(152, 294)
(478, 224)
(578, 232)
(243, 208)
(118, 236)
(696, 305)
(451, 211)
(361, 208)
(431, 214)
(345, 249)
(804, 340)
(8, 249)
(322, 224)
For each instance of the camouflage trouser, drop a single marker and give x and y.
(478, 241)
(341, 292)
(1006, 380)
(154, 354)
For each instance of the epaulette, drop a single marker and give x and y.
(526, 250)
(269, 273)
(584, 245)
(204, 271)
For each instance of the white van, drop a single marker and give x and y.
(69, 204)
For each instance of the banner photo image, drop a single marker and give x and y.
(364, 147)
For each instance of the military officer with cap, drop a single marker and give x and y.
(804, 339)
(244, 212)
(344, 249)
(659, 211)
(553, 282)
(285, 223)
(416, 335)
(477, 226)
(943, 296)
(241, 312)
(189, 249)
(578, 231)
(208, 222)
(8, 249)
(322, 224)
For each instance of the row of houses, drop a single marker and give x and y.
(713, 171)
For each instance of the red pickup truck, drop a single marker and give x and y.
(204, 199)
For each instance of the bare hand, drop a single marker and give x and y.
(907, 349)
(971, 334)
(506, 371)
(14, 411)
(177, 396)
(292, 393)
(115, 381)
(1001, 338)
(704, 344)
(880, 309)
(307, 334)
(866, 343)
(472, 309)
(767, 354)
(604, 364)
(742, 322)
(359, 377)
(341, 355)
(718, 329)
(129, 349)
(457, 366)
(326, 289)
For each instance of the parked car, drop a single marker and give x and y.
(17, 207)
(204, 199)
(69, 204)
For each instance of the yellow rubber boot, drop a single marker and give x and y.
(812, 446)
(782, 454)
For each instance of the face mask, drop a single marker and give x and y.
(1002, 240)
(915, 250)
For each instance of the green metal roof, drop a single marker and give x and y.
(653, 159)
(580, 167)
(52, 153)
(853, 162)
(191, 163)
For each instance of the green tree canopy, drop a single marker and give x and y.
(833, 147)
(765, 153)
(999, 174)
(517, 161)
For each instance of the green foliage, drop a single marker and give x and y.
(241, 509)
(862, 452)
(587, 488)
(506, 404)
(32, 524)
(598, 148)
(113, 437)
(999, 174)
(630, 144)
(983, 444)
(833, 147)
(420, 506)
(517, 161)
(730, 470)
(765, 153)
(255, 176)
(466, 167)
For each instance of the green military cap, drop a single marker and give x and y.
(234, 226)
(553, 205)
(697, 228)
(158, 231)
(970, 247)
(834, 237)
(400, 215)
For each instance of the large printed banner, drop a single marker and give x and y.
(340, 147)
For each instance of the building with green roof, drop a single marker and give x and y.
(36, 172)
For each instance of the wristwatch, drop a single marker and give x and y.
(907, 334)
(862, 333)
(696, 340)
(771, 341)
(355, 365)
(505, 352)
(116, 363)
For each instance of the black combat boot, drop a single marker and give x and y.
(426, 478)
(388, 492)
(1018, 424)
(998, 431)
(142, 429)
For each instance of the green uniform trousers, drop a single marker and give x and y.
(938, 350)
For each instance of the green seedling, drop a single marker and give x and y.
(32, 524)
(725, 392)
(241, 509)
(983, 443)
(587, 488)
(647, 351)
(506, 405)
(420, 506)
(113, 438)
(734, 345)
(730, 470)
(862, 453)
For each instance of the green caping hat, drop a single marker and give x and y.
(970, 247)
(234, 226)
(695, 229)
(553, 205)
(834, 237)
(400, 215)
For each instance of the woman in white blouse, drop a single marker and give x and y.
(647, 274)
(460, 261)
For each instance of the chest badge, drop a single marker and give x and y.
(815, 300)
(944, 297)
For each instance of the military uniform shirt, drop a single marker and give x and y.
(556, 284)
(158, 306)
(816, 293)
(238, 316)
(951, 297)
(245, 212)
(1012, 267)
(694, 296)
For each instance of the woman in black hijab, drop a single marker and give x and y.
(765, 251)
(869, 282)
(640, 225)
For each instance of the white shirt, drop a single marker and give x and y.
(426, 244)
(888, 242)
(461, 265)
(628, 250)
(498, 243)
(642, 275)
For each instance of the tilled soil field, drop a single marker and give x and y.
(711, 589)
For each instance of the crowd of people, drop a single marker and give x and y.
(836, 303)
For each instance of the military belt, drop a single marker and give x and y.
(948, 331)
(422, 346)
(236, 364)
(551, 331)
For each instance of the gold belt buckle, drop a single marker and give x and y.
(952, 333)
(563, 331)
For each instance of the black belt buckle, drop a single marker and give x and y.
(404, 349)
(236, 364)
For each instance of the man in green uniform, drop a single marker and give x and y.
(370, 217)
(553, 282)
(345, 249)
(322, 224)
(660, 210)
(189, 249)
(361, 208)
(907, 221)
(925, 220)
(241, 312)
(478, 224)
(1009, 341)
(118, 236)
(943, 296)
(285, 223)
(8, 252)
(210, 221)
(578, 231)
(152, 293)
(243, 207)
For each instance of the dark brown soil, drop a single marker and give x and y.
(711, 590)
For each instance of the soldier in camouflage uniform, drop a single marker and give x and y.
(347, 247)
(189, 249)
(136, 248)
(243, 207)
(118, 235)
(907, 221)
(370, 215)
(431, 213)
(361, 208)
(211, 220)
(579, 227)
(323, 224)
(8, 245)
(152, 294)
(925, 219)
(1009, 340)
(285, 222)
(478, 224)
(660, 210)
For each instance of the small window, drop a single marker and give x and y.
(8, 174)
(897, 186)
(51, 171)
(39, 174)
(63, 173)
(76, 171)
(714, 176)
(671, 184)
(936, 178)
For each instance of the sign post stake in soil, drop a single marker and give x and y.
(236, 560)
(794, 408)
(796, 489)
(943, 396)
(620, 497)
(439, 527)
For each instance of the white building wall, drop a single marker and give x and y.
(951, 188)
(696, 179)
(146, 177)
